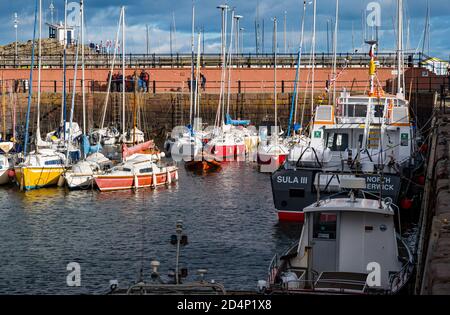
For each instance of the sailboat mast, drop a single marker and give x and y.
(72, 107)
(197, 79)
(64, 107)
(297, 75)
(123, 71)
(83, 91)
(30, 90)
(113, 64)
(38, 120)
(400, 87)
(230, 56)
(336, 27)
(191, 107)
(313, 57)
(275, 47)
(4, 108)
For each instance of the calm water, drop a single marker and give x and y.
(229, 218)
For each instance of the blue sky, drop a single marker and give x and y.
(102, 17)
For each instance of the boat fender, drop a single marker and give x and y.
(11, 174)
(176, 175)
(61, 181)
(136, 182)
(154, 180)
(169, 178)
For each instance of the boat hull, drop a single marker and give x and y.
(4, 177)
(79, 181)
(111, 182)
(293, 190)
(228, 152)
(30, 178)
(269, 163)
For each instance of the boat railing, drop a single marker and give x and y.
(273, 270)
(200, 287)
(398, 280)
(299, 161)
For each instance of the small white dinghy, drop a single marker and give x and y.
(81, 175)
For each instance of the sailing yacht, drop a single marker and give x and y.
(43, 167)
(228, 139)
(273, 153)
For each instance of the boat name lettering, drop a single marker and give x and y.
(292, 180)
(377, 180)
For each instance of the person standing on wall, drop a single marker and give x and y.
(145, 77)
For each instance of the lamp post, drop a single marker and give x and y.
(16, 26)
(237, 18)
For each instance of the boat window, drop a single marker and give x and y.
(356, 110)
(360, 141)
(324, 226)
(146, 170)
(54, 162)
(337, 141)
(297, 193)
(379, 111)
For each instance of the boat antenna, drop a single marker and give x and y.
(30, 90)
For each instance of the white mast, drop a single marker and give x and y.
(302, 35)
(221, 108)
(400, 60)
(83, 91)
(65, 47)
(116, 52)
(123, 71)
(275, 48)
(197, 79)
(38, 121)
(191, 108)
(230, 56)
(336, 27)
(313, 57)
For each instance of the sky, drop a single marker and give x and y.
(102, 18)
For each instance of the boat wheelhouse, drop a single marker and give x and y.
(347, 246)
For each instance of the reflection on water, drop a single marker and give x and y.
(228, 216)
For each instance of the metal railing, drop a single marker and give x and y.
(250, 60)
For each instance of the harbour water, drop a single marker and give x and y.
(229, 218)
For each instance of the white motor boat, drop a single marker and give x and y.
(347, 246)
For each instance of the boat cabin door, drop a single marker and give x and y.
(324, 241)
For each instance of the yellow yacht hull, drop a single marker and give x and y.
(30, 178)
